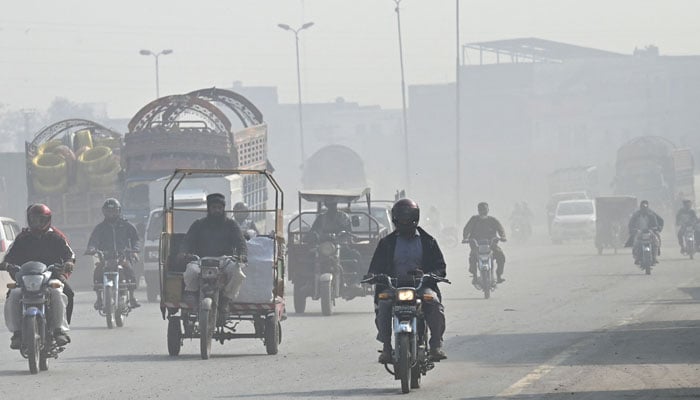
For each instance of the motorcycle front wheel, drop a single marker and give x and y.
(30, 331)
(206, 327)
(486, 285)
(403, 368)
(326, 290)
(119, 314)
(109, 306)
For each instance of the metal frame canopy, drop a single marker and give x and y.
(535, 50)
(334, 195)
(61, 127)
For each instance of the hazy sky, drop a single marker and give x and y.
(88, 50)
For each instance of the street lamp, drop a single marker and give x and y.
(301, 121)
(156, 55)
(403, 97)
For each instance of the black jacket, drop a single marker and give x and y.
(114, 237)
(48, 248)
(211, 237)
(686, 217)
(383, 258)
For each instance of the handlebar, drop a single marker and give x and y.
(390, 282)
(492, 242)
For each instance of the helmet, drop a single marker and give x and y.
(111, 209)
(405, 212)
(241, 212)
(483, 208)
(39, 218)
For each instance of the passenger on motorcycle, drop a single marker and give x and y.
(483, 227)
(641, 220)
(407, 249)
(117, 235)
(241, 212)
(43, 243)
(686, 217)
(333, 221)
(213, 236)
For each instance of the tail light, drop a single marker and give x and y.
(3, 245)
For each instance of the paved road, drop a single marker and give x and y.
(567, 324)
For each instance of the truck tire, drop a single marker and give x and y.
(82, 138)
(95, 160)
(49, 167)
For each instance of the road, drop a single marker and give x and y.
(567, 324)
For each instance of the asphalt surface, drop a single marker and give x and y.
(567, 324)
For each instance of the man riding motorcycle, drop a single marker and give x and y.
(42, 243)
(213, 236)
(407, 249)
(641, 220)
(331, 221)
(241, 212)
(686, 217)
(484, 227)
(114, 234)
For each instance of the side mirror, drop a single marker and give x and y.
(355, 221)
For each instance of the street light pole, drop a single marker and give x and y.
(458, 123)
(403, 99)
(301, 114)
(156, 55)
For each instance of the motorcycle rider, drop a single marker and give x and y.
(332, 221)
(241, 212)
(407, 249)
(686, 217)
(214, 236)
(42, 243)
(484, 227)
(643, 219)
(114, 234)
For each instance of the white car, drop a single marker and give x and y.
(573, 219)
(9, 229)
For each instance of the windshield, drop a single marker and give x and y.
(575, 208)
(183, 220)
(379, 213)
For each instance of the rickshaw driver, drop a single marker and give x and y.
(685, 217)
(214, 236)
(332, 221)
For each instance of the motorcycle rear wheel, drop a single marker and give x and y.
(206, 327)
(299, 299)
(272, 334)
(403, 368)
(415, 377)
(174, 336)
(32, 341)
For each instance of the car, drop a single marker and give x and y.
(574, 219)
(9, 229)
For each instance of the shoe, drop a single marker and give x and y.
(61, 338)
(133, 303)
(500, 280)
(437, 354)
(16, 340)
(98, 304)
(386, 357)
(475, 280)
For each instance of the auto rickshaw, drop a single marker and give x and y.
(328, 267)
(612, 216)
(260, 297)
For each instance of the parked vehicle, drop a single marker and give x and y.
(38, 344)
(261, 296)
(410, 358)
(554, 200)
(612, 216)
(573, 219)
(327, 268)
(115, 287)
(9, 229)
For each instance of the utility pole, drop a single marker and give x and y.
(403, 99)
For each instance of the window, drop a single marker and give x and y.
(9, 233)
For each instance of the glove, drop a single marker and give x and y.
(68, 267)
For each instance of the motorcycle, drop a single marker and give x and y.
(410, 357)
(645, 240)
(38, 344)
(212, 307)
(115, 287)
(689, 241)
(486, 271)
(520, 229)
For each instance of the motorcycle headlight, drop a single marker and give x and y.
(407, 295)
(327, 249)
(32, 283)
